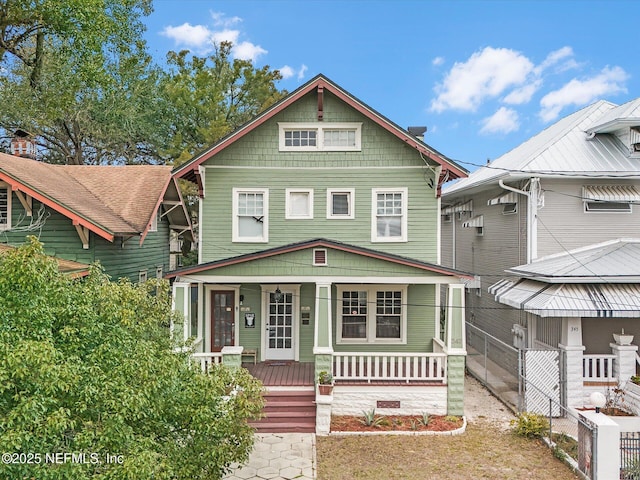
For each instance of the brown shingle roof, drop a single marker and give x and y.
(119, 199)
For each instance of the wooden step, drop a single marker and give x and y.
(288, 411)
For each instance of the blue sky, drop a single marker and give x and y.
(482, 76)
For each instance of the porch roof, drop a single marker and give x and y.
(612, 300)
(321, 243)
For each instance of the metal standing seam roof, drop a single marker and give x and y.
(562, 148)
(614, 261)
(570, 300)
(601, 280)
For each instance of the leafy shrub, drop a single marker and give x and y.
(530, 425)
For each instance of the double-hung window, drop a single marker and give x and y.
(5, 207)
(250, 215)
(340, 203)
(389, 215)
(372, 313)
(299, 203)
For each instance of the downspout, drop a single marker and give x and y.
(532, 215)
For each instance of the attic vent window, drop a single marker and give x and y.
(634, 139)
(320, 257)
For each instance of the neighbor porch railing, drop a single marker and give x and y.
(207, 360)
(598, 368)
(405, 367)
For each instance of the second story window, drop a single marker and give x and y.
(389, 215)
(299, 204)
(340, 203)
(5, 207)
(250, 215)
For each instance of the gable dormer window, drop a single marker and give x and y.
(319, 136)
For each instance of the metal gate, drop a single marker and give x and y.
(541, 375)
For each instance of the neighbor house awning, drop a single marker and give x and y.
(606, 300)
(477, 221)
(458, 208)
(610, 193)
(510, 197)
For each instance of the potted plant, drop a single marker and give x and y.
(325, 383)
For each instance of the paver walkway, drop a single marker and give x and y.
(279, 456)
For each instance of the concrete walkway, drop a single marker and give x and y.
(278, 456)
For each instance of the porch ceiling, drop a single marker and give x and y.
(570, 300)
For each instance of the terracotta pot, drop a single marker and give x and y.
(325, 389)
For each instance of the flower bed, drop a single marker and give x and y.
(396, 423)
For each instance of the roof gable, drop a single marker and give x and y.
(108, 200)
(321, 243)
(319, 84)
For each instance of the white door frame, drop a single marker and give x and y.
(294, 289)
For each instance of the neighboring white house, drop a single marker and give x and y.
(551, 230)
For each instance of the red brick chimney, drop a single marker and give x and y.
(23, 145)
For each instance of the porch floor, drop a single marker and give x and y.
(283, 374)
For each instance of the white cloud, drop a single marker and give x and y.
(302, 71)
(221, 20)
(505, 120)
(581, 92)
(288, 72)
(225, 36)
(486, 74)
(189, 35)
(248, 51)
(522, 94)
(437, 61)
(554, 58)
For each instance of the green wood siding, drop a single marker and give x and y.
(61, 239)
(255, 162)
(420, 321)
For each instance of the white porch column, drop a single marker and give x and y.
(573, 357)
(624, 366)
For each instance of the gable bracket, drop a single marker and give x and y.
(175, 205)
(320, 102)
(26, 201)
(83, 233)
(442, 179)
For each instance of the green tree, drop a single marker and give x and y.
(87, 367)
(211, 96)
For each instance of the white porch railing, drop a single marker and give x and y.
(598, 368)
(406, 367)
(206, 360)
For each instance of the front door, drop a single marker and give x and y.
(222, 319)
(279, 325)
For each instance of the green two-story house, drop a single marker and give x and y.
(319, 245)
(123, 217)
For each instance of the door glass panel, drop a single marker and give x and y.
(280, 321)
(223, 320)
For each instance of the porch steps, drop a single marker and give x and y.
(288, 411)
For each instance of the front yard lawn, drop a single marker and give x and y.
(483, 451)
